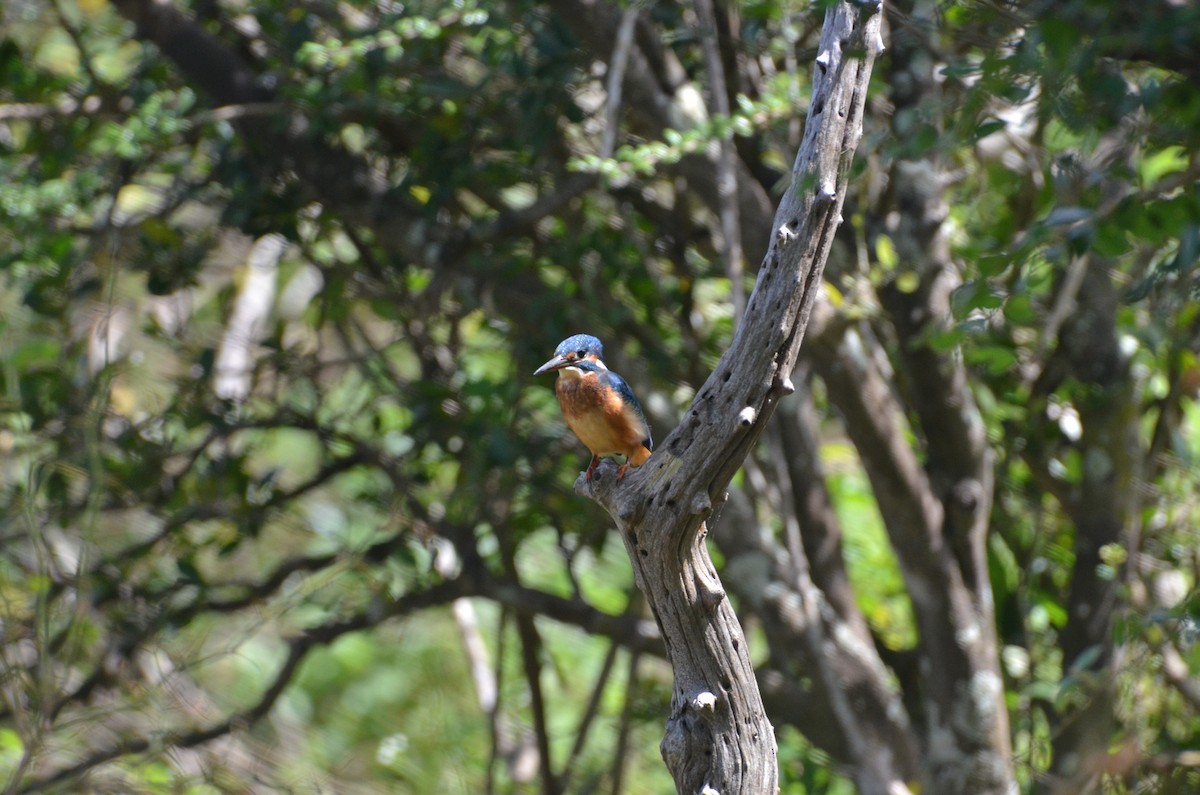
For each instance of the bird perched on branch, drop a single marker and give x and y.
(597, 404)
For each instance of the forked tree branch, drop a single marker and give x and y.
(718, 737)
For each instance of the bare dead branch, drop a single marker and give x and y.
(851, 703)
(615, 79)
(820, 536)
(531, 666)
(659, 97)
(718, 735)
(727, 189)
(590, 711)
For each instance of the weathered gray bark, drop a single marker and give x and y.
(718, 738)
(935, 510)
(1101, 506)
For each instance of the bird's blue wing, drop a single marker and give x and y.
(631, 402)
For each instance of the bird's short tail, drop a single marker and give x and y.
(641, 456)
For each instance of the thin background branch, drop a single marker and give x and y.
(727, 187)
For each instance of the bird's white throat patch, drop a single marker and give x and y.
(573, 373)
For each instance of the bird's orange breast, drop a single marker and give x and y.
(598, 416)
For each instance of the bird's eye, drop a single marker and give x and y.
(580, 354)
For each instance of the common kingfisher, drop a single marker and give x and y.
(597, 404)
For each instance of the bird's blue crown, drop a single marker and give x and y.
(580, 342)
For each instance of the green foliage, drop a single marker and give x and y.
(167, 549)
(870, 561)
(646, 159)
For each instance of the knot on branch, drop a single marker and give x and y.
(964, 500)
(705, 703)
(688, 744)
(784, 236)
(605, 489)
(708, 587)
(747, 416)
(684, 745)
(711, 596)
(822, 61)
(583, 486)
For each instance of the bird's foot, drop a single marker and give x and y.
(592, 468)
(621, 470)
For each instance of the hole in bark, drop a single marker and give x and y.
(725, 683)
(632, 536)
(643, 553)
(726, 376)
(736, 644)
(820, 106)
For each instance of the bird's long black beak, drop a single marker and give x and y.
(557, 363)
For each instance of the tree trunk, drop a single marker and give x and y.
(718, 738)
